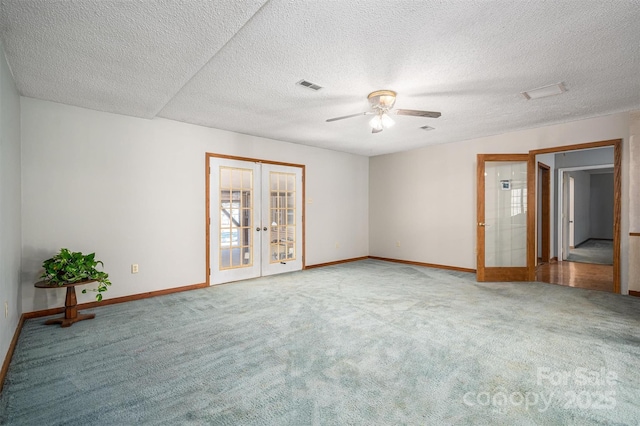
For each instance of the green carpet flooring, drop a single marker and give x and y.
(364, 343)
(593, 251)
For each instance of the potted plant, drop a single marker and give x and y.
(68, 267)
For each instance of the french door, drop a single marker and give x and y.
(502, 217)
(255, 219)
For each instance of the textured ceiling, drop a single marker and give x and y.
(233, 65)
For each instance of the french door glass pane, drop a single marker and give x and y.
(505, 213)
(282, 212)
(236, 218)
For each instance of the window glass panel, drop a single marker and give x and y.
(225, 177)
(225, 259)
(282, 213)
(246, 256)
(246, 217)
(236, 178)
(235, 257)
(235, 217)
(505, 213)
(245, 199)
(235, 239)
(247, 179)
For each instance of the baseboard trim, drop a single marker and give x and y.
(12, 348)
(634, 293)
(115, 300)
(428, 265)
(336, 262)
(580, 243)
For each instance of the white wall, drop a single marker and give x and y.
(601, 206)
(10, 216)
(133, 191)
(582, 206)
(426, 198)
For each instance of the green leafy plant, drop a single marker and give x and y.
(68, 267)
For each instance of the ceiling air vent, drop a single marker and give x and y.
(543, 92)
(427, 128)
(309, 85)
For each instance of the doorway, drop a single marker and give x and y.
(586, 205)
(601, 277)
(254, 218)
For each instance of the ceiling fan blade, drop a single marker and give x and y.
(349, 116)
(417, 113)
(376, 130)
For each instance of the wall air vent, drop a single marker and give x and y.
(427, 128)
(309, 85)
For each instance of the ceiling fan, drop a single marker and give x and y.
(382, 102)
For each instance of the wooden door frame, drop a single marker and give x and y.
(207, 178)
(499, 273)
(544, 184)
(617, 201)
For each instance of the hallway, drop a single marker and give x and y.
(593, 251)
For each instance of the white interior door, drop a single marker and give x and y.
(282, 217)
(564, 235)
(502, 217)
(572, 213)
(234, 219)
(255, 219)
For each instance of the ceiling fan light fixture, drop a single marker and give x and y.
(376, 123)
(381, 121)
(382, 102)
(386, 121)
(382, 99)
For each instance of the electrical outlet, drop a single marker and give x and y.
(310, 200)
(397, 243)
(134, 268)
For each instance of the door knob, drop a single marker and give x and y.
(264, 229)
(481, 224)
(258, 229)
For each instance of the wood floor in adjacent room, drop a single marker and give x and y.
(573, 274)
